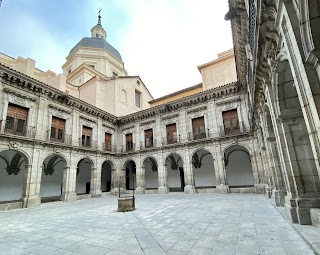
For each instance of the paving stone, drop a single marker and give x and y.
(173, 224)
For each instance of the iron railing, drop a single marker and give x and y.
(88, 143)
(148, 144)
(198, 135)
(171, 139)
(21, 130)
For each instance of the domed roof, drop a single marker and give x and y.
(96, 42)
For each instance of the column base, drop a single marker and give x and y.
(139, 191)
(260, 188)
(189, 189)
(162, 190)
(269, 192)
(298, 209)
(69, 197)
(33, 201)
(115, 191)
(223, 189)
(279, 197)
(96, 193)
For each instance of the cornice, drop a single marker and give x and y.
(18, 93)
(183, 103)
(17, 80)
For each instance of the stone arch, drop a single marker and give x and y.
(64, 157)
(150, 166)
(203, 169)
(52, 181)
(85, 165)
(107, 182)
(175, 172)
(24, 153)
(13, 166)
(238, 167)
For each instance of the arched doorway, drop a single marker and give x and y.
(12, 174)
(52, 178)
(130, 176)
(175, 173)
(83, 180)
(203, 170)
(238, 167)
(106, 176)
(151, 175)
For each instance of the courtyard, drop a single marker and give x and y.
(175, 224)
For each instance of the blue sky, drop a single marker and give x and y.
(163, 41)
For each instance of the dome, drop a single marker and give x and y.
(96, 42)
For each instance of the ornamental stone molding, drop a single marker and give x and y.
(14, 145)
(85, 121)
(147, 123)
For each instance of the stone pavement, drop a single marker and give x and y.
(175, 224)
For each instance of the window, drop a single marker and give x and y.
(86, 136)
(148, 138)
(129, 144)
(16, 121)
(137, 95)
(171, 133)
(123, 96)
(69, 71)
(230, 121)
(198, 128)
(107, 141)
(97, 35)
(57, 129)
(114, 75)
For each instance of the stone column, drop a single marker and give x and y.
(95, 182)
(220, 171)
(30, 196)
(188, 174)
(114, 183)
(140, 177)
(42, 121)
(69, 185)
(162, 179)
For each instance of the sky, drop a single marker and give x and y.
(162, 41)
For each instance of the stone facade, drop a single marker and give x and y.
(277, 49)
(37, 166)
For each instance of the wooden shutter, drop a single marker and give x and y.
(230, 121)
(198, 128)
(107, 140)
(171, 133)
(129, 144)
(16, 119)
(57, 129)
(148, 137)
(86, 136)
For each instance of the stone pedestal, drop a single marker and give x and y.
(223, 189)
(162, 190)
(69, 197)
(315, 217)
(31, 201)
(260, 188)
(126, 204)
(139, 190)
(189, 189)
(298, 209)
(269, 192)
(278, 196)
